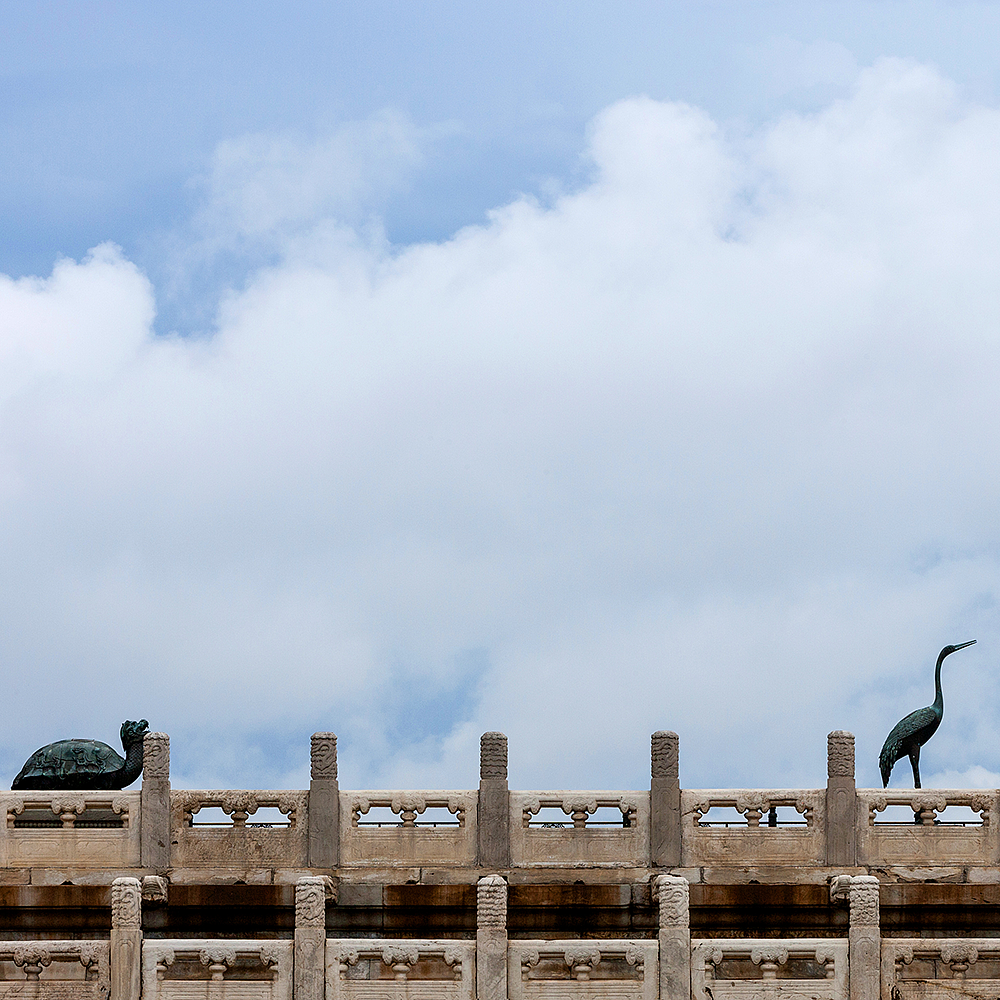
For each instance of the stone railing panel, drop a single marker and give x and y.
(579, 841)
(570, 968)
(70, 829)
(385, 969)
(216, 967)
(940, 968)
(769, 969)
(803, 844)
(408, 840)
(931, 840)
(244, 843)
(60, 970)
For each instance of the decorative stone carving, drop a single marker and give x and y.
(269, 955)
(491, 903)
(68, 807)
(14, 808)
(292, 805)
(529, 959)
(154, 889)
(529, 809)
(164, 958)
(840, 754)
(635, 956)
(218, 959)
(903, 956)
(156, 756)
(753, 805)
(126, 904)
(240, 805)
(665, 755)
(579, 809)
(310, 902)
(864, 901)
(769, 958)
(32, 958)
(455, 957)
(409, 805)
(672, 893)
(981, 805)
(323, 756)
(400, 958)
(581, 959)
(828, 959)
(959, 957)
(493, 756)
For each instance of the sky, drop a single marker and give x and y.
(411, 371)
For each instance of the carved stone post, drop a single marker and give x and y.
(324, 803)
(672, 893)
(491, 938)
(494, 802)
(665, 800)
(310, 938)
(126, 938)
(841, 800)
(865, 939)
(154, 814)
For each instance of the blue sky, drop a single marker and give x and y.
(416, 370)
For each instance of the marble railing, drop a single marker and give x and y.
(799, 968)
(226, 969)
(494, 827)
(390, 968)
(940, 968)
(74, 970)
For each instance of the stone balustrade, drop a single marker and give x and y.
(390, 968)
(620, 841)
(241, 842)
(323, 829)
(407, 837)
(78, 969)
(609, 970)
(222, 968)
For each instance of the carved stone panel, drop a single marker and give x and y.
(582, 844)
(605, 969)
(399, 969)
(185, 969)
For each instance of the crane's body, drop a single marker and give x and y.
(912, 732)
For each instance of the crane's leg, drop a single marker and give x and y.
(915, 764)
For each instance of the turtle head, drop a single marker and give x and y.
(133, 732)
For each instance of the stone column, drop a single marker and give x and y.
(665, 800)
(126, 938)
(324, 803)
(865, 940)
(494, 802)
(154, 815)
(841, 800)
(491, 938)
(672, 893)
(310, 938)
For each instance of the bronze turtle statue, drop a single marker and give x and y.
(85, 764)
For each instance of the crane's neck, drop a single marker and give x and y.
(938, 705)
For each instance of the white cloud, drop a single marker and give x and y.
(704, 445)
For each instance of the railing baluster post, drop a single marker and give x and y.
(665, 800)
(672, 896)
(841, 800)
(493, 816)
(491, 938)
(324, 803)
(865, 938)
(154, 800)
(126, 938)
(309, 961)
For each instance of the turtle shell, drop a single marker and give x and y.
(69, 763)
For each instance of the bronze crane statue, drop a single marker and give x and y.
(911, 733)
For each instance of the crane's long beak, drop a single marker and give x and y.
(962, 645)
